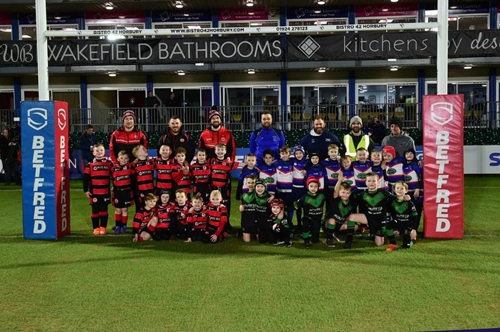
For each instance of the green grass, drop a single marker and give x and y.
(83, 283)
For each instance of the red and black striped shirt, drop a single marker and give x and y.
(142, 218)
(163, 173)
(122, 177)
(144, 175)
(181, 213)
(220, 172)
(217, 217)
(181, 180)
(197, 218)
(97, 177)
(200, 175)
(166, 215)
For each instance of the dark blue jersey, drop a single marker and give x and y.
(242, 187)
(332, 168)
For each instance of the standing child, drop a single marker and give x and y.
(145, 220)
(317, 171)
(163, 168)
(403, 213)
(181, 173)
(284, 182)
(414, 179)
(182, 207)
(247, 209)
(143, 168)
(348, 172)
(248, 169)
(332, 167)
(299, 165)
(96, 182)
(200, 171)
(268, 171)
(263, 211)
(280, 224)
(123, 196)
(221, 177)
(197, 218)
(393, 166)
(361, 167)
(217, 218)
(165, 212)
(376, 158)
(313, 203)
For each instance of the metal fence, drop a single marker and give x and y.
(286, 117)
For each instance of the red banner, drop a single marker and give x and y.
(62, 168)
(443, 166)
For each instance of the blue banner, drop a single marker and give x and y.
(169, 16)
(314, 13)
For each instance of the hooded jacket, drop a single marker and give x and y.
(181, 140)
(401, 143)
(210, 138)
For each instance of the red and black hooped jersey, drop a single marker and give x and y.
(163, 173)
(166, 215)
(181, 180)
(142, 218)
(97, 177)
(197, 218)
(217, 217)
(220, 172)
(181, 213)
(122, 177)
(144, 175)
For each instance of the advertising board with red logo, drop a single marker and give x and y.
(443, 166)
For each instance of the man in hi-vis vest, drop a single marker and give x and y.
(356, 139)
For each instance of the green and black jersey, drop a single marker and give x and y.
(340, 210)
(404, 213)
(282, 222)
(313, 205)
(262, 207)
(249, 203)
(374, 204)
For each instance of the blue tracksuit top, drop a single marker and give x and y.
(262, 139)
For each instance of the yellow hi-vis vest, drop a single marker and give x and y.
(350, 149)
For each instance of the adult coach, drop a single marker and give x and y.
(176, 137)
(126, 137)
(266, 137)
(356, 139)
(318, 139)
(87, 142)
(398, 139)
(216, 133)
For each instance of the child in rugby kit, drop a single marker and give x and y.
(337, 212)
(181, 207)
(217, 218)
(284, 182)
(221, 178)
(373, 205)
(361, 167)
(413, 175)
(299, 165)
(123, 196)
(181, 174)
(317, 171)
(200, 175)
(143, 167)
(96, 181)
(403, 213)
(145, 220)
(393, 166)
(197, 219)
(262, 212)
(348, 172)
(376, 159)
(248, 169)
(166, 215)
(332, 167)
(313, 203)
(247, 209)
(268, 171)
(280, 224)
(163, 167)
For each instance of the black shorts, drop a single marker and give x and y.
(248, 225)
(161, 234)
(99, 200)
(122, 198)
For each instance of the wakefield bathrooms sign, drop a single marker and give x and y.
(354, 46)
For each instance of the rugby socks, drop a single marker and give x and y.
(118, 219)
(406, 241)
(103, 215)
(330, 230)
(95, 220)
(349, 234)
(391, 236)
(124, 220)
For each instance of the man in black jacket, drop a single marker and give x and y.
(177, 138)
(87, 142)
(8, 148)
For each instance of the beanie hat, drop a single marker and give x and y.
(213, 112)
(259, 181)
(313, 154)
(128, 113)
(355, 119)
(397, 122)
(164, 191)
(311, 180)
(299, 148)
(390, 150)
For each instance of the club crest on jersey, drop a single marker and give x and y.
(182, 140)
